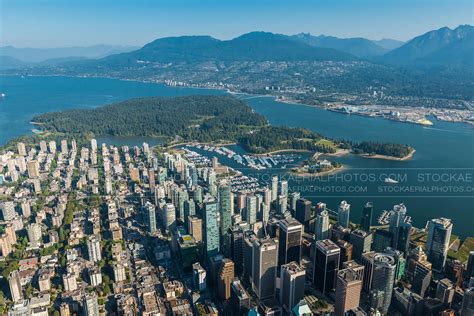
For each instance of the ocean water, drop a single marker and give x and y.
(437, 182)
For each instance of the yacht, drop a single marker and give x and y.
(390, 180)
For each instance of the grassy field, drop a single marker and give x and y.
(463, 253)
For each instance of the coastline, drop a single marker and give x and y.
(407, 157)
(317, 174)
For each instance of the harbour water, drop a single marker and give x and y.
(437, 181)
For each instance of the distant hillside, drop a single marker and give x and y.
(256, 46)
(7, 62)
(360, 47)
(388, 44)
(439, 47)
(34, 55)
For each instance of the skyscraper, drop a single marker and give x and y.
(15, 286)
(348, 288)
(93, 249)
(211, 235)
(294, 196)
(90, 304)
(303, 211)
(468, 302)
(283, 188)
(366, 219)
(169, 217)
(149, 214)
(33, 169)
(437, 244)
(289, 240)
(8, 210)
(322, 225)
(251, 209)
(265, 260)
(274, 188)
(225, 211)
(326, 265)
(225, 277)
(343, 214)
(383, 278)
(292, 281)
(195, 228)
(361, 241)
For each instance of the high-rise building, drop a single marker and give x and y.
(199, 277)
(303, 211)
(149, 214)
(445, 291)
(437, 244)
(366, 220)
(346, 251)
(322, 225)
(8, 210)
(237, 248)
(225, 210)
(289, 240)
(195, 228)
(283, 188)
(15, 286)
(343, 214)
(33, 169)
(292, 282)
(382, 239)
(64, 147)
(52, 147)
(93, 249)
(294, 196)
(326, 265)
(399, 261)
(21, 149)
(467, 307)
(251, 209)
(418, 271)
(383, 278)
(274, 188)
(248, 256)
(399, 228)
(469, 273)
(151, 179)
(348, 288)
(361, 241)
(225, 277)
(282, 204)
(265, 260)
(169, 214)
(211, 233)
(34, 233)
(90, 304)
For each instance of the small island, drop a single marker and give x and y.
(316, 167)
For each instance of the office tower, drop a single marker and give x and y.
(237, 247)
(225, 211)
(382, 240)
(445, 291)
(357, 267)
(195, 228)
(8, 210)
(361, 241)
(282, 204)
(419, 271)
(293, 198)
(469, 273)
(274, 188)
(326, 265)
(348, 288)
(169, 220)
(211, 235)
(248, 255)
(15, 286)
(437, 244)
(399, 261)
(467, 307)
(403, 239)
(343, 214)
(303, 211)
(383, 278)
(189, 209)
(322, 225)
(399, 228)
(21, 149)
(346, 251)
(265, 260)
(292, 282)
(289, 240)
(251, 209)
(33, 169)
(64, 147)
(43, 146)
(34, 234)
(91, 307)
(199, 277)
(283, 188)
(366, 220)
(93, 249)
(240, 298)
(149, 214)
(151, 179)
(368, 263)
(225, 277)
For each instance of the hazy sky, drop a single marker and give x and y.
(56, 23)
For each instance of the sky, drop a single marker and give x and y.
(61, 23)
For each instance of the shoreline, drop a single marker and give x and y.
(318, 174)
(376, 156)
